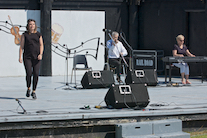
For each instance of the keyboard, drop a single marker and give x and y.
(184, 59)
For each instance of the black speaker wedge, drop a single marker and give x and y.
(145, 76)
(97, 79)
(127, 96)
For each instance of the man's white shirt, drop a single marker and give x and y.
(114, 51)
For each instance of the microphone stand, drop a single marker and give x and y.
(25, 112)
(131, 65)
(107, 61)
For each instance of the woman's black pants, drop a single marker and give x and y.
(32, 67)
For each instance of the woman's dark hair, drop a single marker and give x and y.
(28, 21)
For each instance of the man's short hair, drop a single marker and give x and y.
(115, 33)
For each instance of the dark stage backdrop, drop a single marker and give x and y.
(158, 21)
(197, 39)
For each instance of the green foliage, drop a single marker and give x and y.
(203, 136)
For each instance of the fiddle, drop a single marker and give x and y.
(15, 31)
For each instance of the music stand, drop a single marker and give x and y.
(66, 83)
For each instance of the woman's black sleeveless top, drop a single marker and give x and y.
(31, 45)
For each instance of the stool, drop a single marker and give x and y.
(113, 68)
(167, 67)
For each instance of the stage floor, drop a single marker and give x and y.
(61, 104)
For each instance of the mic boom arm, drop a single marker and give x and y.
(131, 66)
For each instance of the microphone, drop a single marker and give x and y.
(107, 30)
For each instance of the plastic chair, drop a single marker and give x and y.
(79, 60)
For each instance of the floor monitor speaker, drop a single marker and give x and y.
(127, 96)
(145, 76)
(97, 79)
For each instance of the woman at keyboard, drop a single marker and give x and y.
(180, 50)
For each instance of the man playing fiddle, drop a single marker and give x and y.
(116, 49)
